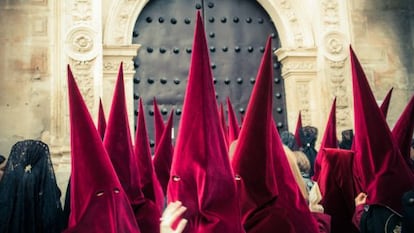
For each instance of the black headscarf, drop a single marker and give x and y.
(29, 195)
(288, 139)
(347, 138)
(308, 136)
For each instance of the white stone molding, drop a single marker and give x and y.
(299, 69)
(121, 21)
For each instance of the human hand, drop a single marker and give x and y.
(360, 199)
(315, 197)
(170, 215)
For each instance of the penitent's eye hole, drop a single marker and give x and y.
(99, 193)
(237, 177)
(176, 178)
(116, 190)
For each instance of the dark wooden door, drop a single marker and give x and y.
(237, 31)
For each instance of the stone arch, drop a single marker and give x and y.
(295, 31)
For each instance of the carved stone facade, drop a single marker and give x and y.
(93, 37)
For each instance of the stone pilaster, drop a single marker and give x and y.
(299, 74)
(78, 39)
(334, 76)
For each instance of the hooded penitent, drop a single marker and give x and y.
(403, 132)
(298, 129)
(98, 201)
(163, 156)
(201, 176)
(158, 124)
(29, 195)
(328, 141)
(224, 124)
(150, 185)
(386, 103)
(337, 188)
(234, 127)
(253, 159)
(378, 164)
(101, 120)
(290, 197)
(118, 144)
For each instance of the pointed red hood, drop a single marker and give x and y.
(386, 103)
(224, 124)
(378, 164)
(252, 160)
(118, 143)
(158, 124)
(101, 120)
(163, 155)
(234, 127)
(297, 130)
(329, 139)
(337, 188)
(201, 176)
(403, 132)
(98, 201)
(290, 198)
(150, 184)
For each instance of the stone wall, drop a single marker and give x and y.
(383, 39)
(26, 40)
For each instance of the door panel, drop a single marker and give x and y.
(236, 32)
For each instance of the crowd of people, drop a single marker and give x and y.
(219, 176)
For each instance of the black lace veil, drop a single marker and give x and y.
(29, 195)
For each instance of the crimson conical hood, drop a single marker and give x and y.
(298, 129)
(386, 103)
(329, 139)
(98, 201)
(252, 160)
(403, 132)
(234, 127)
(163, 156)
(101, 120)
(378, 164)
(201, 176)
(290, 197)
(158, 124)
(150, 184)
(118, 143)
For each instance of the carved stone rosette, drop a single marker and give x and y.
(82, 49)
